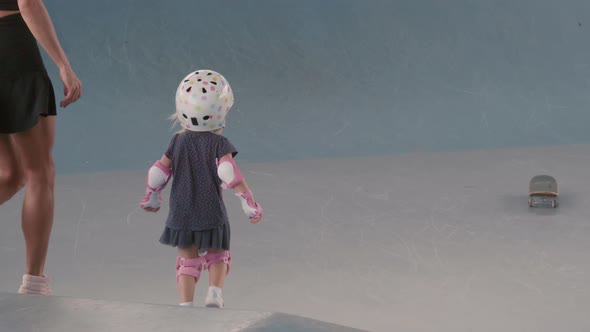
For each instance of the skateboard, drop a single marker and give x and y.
(543, 191)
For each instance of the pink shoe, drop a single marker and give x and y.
(34, 285)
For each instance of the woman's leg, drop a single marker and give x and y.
(11, 175)
(34, 149)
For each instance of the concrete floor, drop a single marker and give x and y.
(418, 242)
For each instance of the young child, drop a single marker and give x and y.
(200, 161)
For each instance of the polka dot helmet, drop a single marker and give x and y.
(203, 99)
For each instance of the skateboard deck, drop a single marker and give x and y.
(543, 191)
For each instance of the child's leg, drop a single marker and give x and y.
(188, 270)
(218, 264)
(217, 273)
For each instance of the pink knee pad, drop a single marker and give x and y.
(189, 266)
(223, 256)
(229, 173)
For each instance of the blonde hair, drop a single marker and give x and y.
(174, 118)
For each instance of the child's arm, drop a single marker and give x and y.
(157, 179)
(230, 174)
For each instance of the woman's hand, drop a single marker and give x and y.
(72, 86)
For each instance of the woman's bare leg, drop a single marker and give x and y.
(34, 148)
(11, 175)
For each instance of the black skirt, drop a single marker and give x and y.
(26, 91)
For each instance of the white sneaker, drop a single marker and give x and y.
(34, 285)
(214, 299)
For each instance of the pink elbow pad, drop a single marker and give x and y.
(229, 173)
(158, 176)
(157, 179)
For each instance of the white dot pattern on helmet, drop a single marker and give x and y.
(203, 99)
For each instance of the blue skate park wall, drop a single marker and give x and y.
(326, 79)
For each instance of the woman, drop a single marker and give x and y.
(27, 125)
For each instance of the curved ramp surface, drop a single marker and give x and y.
(62, 314)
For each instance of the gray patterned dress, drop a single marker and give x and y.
(197, 212)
